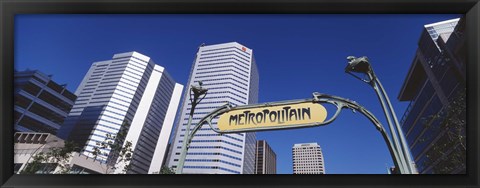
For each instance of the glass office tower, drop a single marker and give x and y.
(435, 80)
(128, 92)
(230, 74)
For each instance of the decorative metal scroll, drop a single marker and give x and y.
(318, 98)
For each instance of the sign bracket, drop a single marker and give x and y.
(318, 98)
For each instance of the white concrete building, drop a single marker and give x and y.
(28, 144)
(129, 89)
(229, 72)
(308, 159)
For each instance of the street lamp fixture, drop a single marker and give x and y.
(197, 94)
(362, 65)
(196, 91)
(359, 65)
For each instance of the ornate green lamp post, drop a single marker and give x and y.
(197, 93)
(362, 65)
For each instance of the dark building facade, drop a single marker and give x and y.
(434, 122)
(41, 105)
(265, 158)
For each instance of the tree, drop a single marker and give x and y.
(47, 162)
(120, 150)
(165, 170)
(448, 154)
(59, 157)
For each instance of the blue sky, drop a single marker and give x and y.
(296, 56)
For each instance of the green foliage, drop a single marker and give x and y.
(43, 162)
(120, 150)
(448, 154)
(59, 157)
(35, 165)
(166, 170)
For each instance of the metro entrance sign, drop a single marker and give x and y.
(283, 115)
(304, 113)
(272, 117)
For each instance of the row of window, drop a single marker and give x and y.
(236, 51)
(219, 97)
(209, 107)
(306, 159)
(212, 167)
(215, 102)
(225, 78)
(220, 75)
(227, 87)
(232, 47)
(227, 82)
(207, 65)
(216, 134)
(227, 142)
(223, 59)
(214, 153)
(211, 147)
(211, 160)
(227, 92)
(210, 57)
(222, 71)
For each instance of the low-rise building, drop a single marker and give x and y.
(28, 145)
(41, 105)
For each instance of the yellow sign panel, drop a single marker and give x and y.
(273, 116)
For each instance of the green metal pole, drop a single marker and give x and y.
(391, 125)
(197, 92)
(183, 155)
(401, 135)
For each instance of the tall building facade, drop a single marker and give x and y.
(265, 159)
(229, 72)
(435, 79)
(308, 159)
(41, 105)
(129, 92)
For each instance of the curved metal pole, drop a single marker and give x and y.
(34, 153)
(391, 125)
(196, 92)
(339, 102)
(355, 106)
(401, 135)
(362, 65)
(208, 119)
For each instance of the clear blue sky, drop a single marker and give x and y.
(296, 56)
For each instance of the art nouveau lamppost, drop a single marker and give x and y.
(197, 94)
(362, 65)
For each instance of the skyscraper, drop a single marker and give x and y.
(265, 159)
(434, 84)
(308, 159)
(129, 90)
(41, 105)
(230, 74)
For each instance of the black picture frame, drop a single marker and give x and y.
(9, 8)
